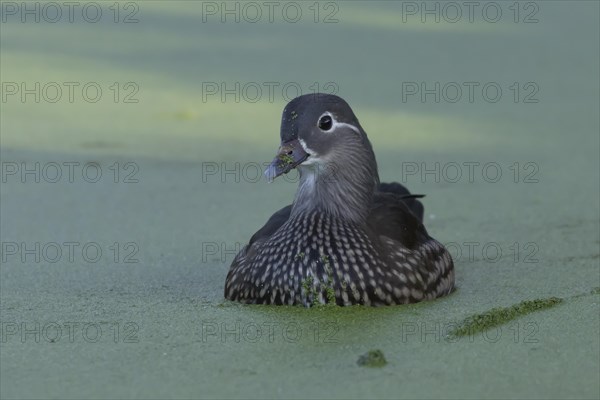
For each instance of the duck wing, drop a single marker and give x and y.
(272, 225)
(395, 221)
(392, 217)
(411, 200)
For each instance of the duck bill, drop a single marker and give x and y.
(290, 155)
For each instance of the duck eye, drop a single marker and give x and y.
(325, 123)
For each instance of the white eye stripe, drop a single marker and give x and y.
(313, 155)
(335, 124)
(305, 147)
(355, 129)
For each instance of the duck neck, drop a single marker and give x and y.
(343, 190)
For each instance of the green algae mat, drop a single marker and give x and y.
(133, 136)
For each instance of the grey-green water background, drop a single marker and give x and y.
(77, 327)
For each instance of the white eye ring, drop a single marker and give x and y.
(335, 124)
(326, 122)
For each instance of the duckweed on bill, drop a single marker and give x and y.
(286, 159)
